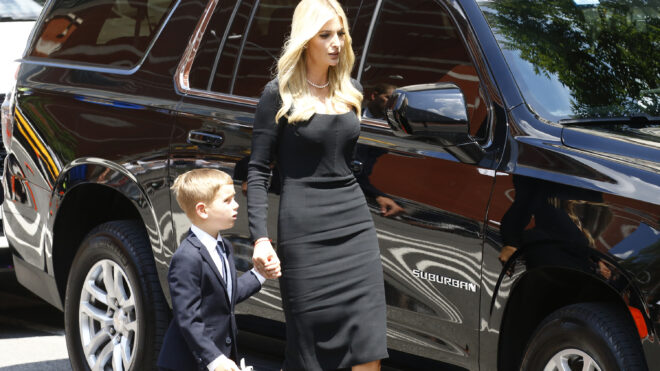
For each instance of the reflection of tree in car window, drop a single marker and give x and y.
(571, 60)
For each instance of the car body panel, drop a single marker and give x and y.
(591, 212)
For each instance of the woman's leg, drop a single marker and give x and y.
(371, 366)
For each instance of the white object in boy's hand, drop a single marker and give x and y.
(244, 367)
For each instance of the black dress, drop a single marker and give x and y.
(332, 279)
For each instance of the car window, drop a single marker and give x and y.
(581, 59)
(207, 56)
(115, 33)
(19, 10)
(256, 65)
(417, 42)
(240, 60)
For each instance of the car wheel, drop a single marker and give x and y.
(115, 314)
(585, 336)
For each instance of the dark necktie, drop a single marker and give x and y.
(220, 247)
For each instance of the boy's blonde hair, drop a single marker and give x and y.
(198, 185)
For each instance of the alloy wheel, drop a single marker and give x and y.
(572, 360)
(108, 318)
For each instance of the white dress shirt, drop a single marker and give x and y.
(210, 244)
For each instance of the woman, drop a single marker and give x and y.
(332, 279)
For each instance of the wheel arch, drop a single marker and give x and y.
(90, 192)
(538, 293)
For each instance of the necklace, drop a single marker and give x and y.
(317, 85)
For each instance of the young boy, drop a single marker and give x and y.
(202, 278)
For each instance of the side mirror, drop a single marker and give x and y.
(436, 112)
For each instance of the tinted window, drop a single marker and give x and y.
(258, 41)
(19, 10)
(581, 59)
(359, 14)
(416, 42)
(108, 32)
(270, 25)
(207, 55)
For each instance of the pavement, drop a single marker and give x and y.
(32, 333)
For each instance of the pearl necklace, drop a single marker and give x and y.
(318, 86)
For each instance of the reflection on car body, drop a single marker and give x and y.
(508, 155)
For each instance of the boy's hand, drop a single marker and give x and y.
(265, 260)
(227, 365)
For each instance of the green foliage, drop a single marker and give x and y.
(607, 55)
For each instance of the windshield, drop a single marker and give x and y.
(19, 10)
(576, 59)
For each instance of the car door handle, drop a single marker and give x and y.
(201, 138)
(356, 166)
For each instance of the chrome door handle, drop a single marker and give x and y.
(201, 138)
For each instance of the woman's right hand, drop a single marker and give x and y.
(265, 260)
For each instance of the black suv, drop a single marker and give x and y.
(510, 154)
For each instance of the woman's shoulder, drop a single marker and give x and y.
(271, 92)
(273, 86)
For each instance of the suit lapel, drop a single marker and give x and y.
(207, 258)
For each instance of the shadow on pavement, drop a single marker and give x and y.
(54, 365)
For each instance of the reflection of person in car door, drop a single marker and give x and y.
(376, 103)
(556, 236)
(368, 156)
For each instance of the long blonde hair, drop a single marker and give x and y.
(297, 100)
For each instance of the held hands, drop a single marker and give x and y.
(265, 259)
(227, 365)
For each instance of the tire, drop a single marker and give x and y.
(114, 303)
(585, 336)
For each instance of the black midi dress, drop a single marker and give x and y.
(332, 278)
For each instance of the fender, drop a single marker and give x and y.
(95, 171)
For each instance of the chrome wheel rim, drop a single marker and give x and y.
(572, 360)
(108, 318)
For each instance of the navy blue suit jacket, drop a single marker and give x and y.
(203, 325)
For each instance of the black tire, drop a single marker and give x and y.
(138, 318)
(601, 333)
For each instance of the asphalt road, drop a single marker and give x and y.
(32, 334)
(31, 331)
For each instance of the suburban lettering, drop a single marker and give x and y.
(443, 280)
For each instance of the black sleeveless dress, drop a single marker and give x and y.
(332, 280)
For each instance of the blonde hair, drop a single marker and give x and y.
(297, 100)
(198, 185)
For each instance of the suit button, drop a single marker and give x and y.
(228, 340)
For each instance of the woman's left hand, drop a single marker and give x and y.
(265, 260)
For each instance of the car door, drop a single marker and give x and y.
(428, 196)
(231, 58)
